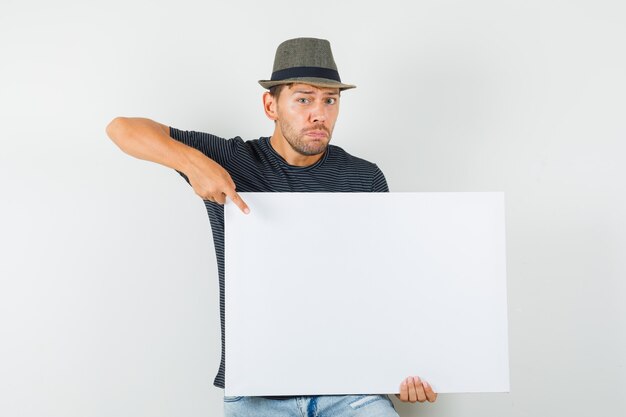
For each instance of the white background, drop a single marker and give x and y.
(108, 287)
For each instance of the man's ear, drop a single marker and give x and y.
(269, 105)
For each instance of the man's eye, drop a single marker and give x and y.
(331, 100)
(303, 100)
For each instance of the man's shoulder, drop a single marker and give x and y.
(340, 155)
(193, 137)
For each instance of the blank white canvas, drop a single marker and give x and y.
(339, 293)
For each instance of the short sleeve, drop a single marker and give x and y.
(218, 149)
(379, 185)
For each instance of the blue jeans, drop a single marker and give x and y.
(314, 406)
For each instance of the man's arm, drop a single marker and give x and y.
(148, 140)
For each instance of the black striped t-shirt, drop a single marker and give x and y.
(256, 167)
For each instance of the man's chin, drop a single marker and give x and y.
(312, 148)
(313, 151)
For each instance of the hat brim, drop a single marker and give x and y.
(316, 82)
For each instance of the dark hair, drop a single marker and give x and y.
(275, 90)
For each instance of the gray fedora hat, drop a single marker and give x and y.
(307, 61)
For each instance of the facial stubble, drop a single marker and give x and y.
(295, 138)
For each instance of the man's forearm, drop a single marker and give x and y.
(148, 140)
(151, 141)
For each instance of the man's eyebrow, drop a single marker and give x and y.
(328, 93)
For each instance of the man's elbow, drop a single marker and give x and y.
(115, 127)
(118, 131)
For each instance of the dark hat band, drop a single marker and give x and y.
(298, 72)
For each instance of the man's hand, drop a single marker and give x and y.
(212, 182)
(149, 140)
(414, 389)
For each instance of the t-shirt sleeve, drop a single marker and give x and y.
(218, 149)
(379, 185)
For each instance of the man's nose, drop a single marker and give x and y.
(318, 113)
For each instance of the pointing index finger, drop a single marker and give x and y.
(238, 201)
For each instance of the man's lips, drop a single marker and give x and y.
(317, 133)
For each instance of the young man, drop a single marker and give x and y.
(303, 101)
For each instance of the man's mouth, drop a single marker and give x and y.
(317, 133)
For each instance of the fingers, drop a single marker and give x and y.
(238, 201)
(214, 197)
(220, 198)
(218, 195)
(431, 395)
(213, 183)
(413, 389)
(404, 391)
(419, 388)
(412, 393)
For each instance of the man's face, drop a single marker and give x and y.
(306, 117)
